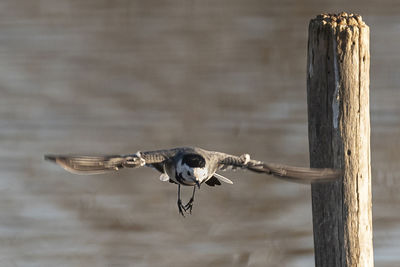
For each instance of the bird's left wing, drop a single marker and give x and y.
(100, 164)
(294, 174)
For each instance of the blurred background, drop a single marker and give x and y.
(120, 76)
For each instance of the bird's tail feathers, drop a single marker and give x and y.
(223, 178)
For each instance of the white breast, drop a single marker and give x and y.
(201, 174)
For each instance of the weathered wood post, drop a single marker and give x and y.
(339, 137)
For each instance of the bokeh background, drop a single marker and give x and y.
(100, 76)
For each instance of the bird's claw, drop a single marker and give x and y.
(189, 205)
(185, 208)
(181, 208)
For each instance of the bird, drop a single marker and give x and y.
(189, 166)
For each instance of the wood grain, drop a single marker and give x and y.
(339, 137)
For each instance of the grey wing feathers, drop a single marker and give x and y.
(294, 174)
(88, 164)
(100, 164)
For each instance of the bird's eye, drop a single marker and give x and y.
(188, 172)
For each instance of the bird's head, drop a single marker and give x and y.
(193, 169)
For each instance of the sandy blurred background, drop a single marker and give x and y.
(121, 76)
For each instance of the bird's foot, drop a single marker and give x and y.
(181, 208)
(189, 205)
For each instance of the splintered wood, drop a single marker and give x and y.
(339, 137)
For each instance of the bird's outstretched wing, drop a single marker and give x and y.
(89, 164)
(294, 174)
(100, 164)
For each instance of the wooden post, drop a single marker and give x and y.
(339, 137)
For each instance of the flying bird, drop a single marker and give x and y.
(189, 166)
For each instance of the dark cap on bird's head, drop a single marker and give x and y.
(194, 160)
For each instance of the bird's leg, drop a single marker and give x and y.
(181, 208)
(189, 205)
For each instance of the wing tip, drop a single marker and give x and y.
(50, 157)
(70, 164)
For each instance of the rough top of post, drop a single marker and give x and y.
(342, 18)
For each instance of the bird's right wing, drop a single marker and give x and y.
(79, 164)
